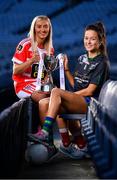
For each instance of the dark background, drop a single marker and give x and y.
(68, 17)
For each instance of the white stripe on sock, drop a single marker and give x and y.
(63, 130)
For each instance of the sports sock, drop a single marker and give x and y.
(48, 124)
(78, 138)
(65, 136)
(80, 141)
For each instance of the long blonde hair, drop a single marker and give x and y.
(48, 44)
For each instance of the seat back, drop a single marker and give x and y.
(108, 98)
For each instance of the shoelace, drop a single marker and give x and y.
(74, 148)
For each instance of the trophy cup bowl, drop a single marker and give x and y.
(50, 64)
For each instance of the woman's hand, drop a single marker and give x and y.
(35, 57)
(20, 68)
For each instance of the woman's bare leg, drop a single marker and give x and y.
(61, 100)
(43, 108)
(64, 101)
(38, 95)
(76, 132)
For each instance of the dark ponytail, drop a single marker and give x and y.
(102, 32)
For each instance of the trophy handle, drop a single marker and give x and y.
(51, 79)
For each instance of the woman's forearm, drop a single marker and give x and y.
(89, 91)
(69, 77)
(20, 68)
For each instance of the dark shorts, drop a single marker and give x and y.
(87, 99)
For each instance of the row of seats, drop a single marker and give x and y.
(5, 5)
(68, 25)
(13, 138)
(16, 121)
(100, 131)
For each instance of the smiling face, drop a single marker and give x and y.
(91, 41)
(42, 29)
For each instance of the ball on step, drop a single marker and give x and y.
(36, 154)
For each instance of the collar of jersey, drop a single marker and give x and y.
(91, 59)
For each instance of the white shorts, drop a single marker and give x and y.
(27, 90)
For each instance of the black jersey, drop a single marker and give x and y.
(94, 71)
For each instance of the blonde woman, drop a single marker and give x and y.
(27, 57)
(26, 60)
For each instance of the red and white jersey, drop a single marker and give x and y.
(22, 54)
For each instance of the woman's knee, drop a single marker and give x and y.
(37, 96)
(43, 104)
(55, 92)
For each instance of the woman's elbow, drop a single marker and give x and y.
(90, 92)
(14, 71)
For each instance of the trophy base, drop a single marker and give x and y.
(47, 87)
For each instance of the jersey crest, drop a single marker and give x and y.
(19, 48)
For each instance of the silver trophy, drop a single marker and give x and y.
(50, 65)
